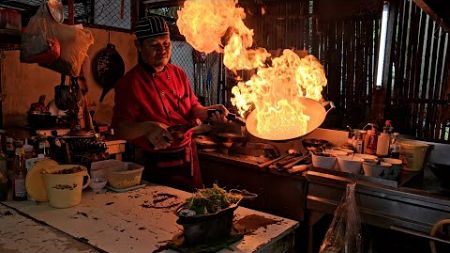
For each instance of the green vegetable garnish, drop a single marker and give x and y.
(211, 200)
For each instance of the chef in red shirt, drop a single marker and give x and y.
(153, 96)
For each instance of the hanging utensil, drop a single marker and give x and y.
(62, 95)
(107, 67)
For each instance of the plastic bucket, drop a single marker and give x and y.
(413, 154)
(64, 187)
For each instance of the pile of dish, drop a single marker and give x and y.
(347, 161)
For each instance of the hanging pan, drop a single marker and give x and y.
(107, 68)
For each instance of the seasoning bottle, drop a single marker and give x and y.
(3, 186)
(3, 174)
(9, 146)
(370, 140)
(384, 140)
(358, 142)
(395, 146)
(18, 180)
(28, 149)
(3, 163)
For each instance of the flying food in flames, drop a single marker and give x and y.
(276, 89)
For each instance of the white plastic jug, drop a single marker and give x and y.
(64, 186)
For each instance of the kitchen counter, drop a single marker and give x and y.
(411, 206)
(126, 222)
(279, 193)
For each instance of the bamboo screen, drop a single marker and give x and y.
(419, 85)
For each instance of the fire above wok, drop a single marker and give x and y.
(284, 130)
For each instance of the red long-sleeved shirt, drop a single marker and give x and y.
(165, 97)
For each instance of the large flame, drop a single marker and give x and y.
(275, 90)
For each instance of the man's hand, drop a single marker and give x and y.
(158, 135)
(217, 117)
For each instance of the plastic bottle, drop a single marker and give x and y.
(395, 146)
(28, 149)
(370, 140)
(358, 142)
(18, 181)
(383, 141)
(3, 186)
(3, 172)
(3, 158)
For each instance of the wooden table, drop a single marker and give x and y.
(115, 148)
(130, 222)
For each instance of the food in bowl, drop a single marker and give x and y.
(70, 170)
(208, 215)
(211, 200)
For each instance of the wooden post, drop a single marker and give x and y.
(71, 11)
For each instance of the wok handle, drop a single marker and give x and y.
(329, 104)
(244, 193)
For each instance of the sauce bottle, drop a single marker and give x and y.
(370, 140)
(18, 180)
(395, 146)
(384, 140)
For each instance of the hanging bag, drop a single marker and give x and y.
(344, 233)
(38, 45)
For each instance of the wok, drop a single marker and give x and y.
(315, 110)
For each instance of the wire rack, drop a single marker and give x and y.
(106, 13)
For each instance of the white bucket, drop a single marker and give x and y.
(64, 190)
(413, 154)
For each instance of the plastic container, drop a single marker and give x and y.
(350, 164)
(324, 162)
(99, 168)
(372, 169)
(413, 154)
(367, 158)
(129, 175)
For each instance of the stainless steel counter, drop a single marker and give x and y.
(408, 210)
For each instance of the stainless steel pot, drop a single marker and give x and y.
(314, 109)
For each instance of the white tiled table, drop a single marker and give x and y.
(124, 222)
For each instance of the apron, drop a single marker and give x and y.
(177, 165)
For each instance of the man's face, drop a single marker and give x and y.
(156, 51)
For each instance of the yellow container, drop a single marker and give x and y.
(64, 186)
(413, 154)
